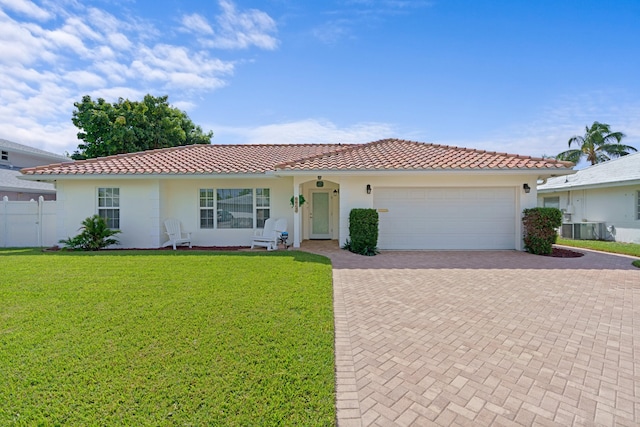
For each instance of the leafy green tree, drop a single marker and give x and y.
(129, 126)
(598, 145)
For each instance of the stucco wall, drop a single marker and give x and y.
(146, 204)
(78, 200)
(616, 206)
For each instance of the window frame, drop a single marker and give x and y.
(260, 220)
(109, 203)
(4, 156)
(638, 205)
(207, 209)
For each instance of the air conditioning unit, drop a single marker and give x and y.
(585, 231)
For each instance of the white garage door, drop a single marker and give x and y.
(446, 218)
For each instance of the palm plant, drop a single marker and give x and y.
(598, 145)
(95, 235)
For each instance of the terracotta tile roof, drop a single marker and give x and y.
(387, 154)
(396, 154)
(191, 159)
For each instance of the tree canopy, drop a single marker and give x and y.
(598, 145)
(129, 126)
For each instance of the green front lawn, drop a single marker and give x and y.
(614, 247)
(152, 338)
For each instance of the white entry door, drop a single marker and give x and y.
(320, 217)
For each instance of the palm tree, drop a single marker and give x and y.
(598, 145)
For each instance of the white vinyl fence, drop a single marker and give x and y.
(27, 224)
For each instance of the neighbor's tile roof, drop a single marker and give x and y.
(387, 154)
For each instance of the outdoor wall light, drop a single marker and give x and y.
(526, 188)
(368, 188)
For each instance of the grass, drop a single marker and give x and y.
(166, 338)
(599, 245)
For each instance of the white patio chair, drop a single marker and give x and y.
(270, 234)
(176, 235)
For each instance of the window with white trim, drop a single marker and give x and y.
(109, 206)
(263, 206)
(225, 208)
(207, 208)
(5, 155)
(638, 204)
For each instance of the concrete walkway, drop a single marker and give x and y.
(485, 338)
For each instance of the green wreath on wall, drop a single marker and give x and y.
(301, 200)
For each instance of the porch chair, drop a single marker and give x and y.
(270, 234)
(176, 235)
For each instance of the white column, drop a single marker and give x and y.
(297, 228)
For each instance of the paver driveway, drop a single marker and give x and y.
(486, 338)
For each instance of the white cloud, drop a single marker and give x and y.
(84, 79)
(58, 51)
(63, 40)
(352, 15)
(240, 30)
(176, 66)
(27, 8)
(333, 31)
(197, 24)
(19, 43)
(309, 131)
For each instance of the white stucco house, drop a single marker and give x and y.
(600, 202)
(428, 196)
(13, 157)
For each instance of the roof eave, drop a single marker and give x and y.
(136, 176)
(542, 173)
(570, 187)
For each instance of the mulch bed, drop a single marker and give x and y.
(564, 253)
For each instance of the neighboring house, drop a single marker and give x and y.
(13, 157)
(428, 196)
(606, 193)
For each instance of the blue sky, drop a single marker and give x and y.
(510, 76)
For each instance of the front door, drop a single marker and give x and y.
(320, 218)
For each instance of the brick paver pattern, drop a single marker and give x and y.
(485, 338)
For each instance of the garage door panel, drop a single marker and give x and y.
(446, 218)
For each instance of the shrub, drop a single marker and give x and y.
(363, 232)
(540, 226)
(94, 235)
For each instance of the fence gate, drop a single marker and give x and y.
(27, 224)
